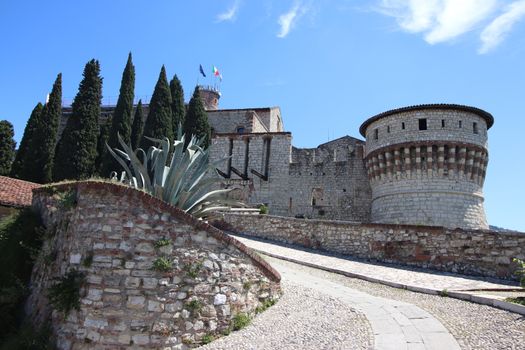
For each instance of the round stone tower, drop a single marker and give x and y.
(426, 165)
(210, 97)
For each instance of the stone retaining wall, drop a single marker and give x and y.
(480, 253)
(113, 235)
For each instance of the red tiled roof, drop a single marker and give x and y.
(16, 193)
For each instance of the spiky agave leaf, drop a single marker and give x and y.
(184, 183)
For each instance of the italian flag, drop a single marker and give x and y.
(217, 73)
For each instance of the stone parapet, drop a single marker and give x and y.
(470, 252)
(115, 236)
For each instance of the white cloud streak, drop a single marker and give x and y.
(439, 20)
(501, 26)
(288, 20)
(230, 14)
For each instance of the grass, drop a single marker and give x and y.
(192, 270)
(517, 300)
(240, 321)
(265, 305)
(162, 242)
(162, 264)
(207, 338)
(194, 306)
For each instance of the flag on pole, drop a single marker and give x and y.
(216, 71)
(202, 70)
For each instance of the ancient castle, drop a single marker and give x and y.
(418, 165)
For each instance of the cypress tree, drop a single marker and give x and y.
(21, 168)
(7, 147)
(138, 125)
(46, 139)
(77, 150)
(159, 123)
(196, 122)
(121, 123)
(177, 103)
(103, 138)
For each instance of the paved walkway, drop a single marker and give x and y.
(419, 280)
(396, 325)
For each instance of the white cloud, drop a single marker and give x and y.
(288, 20)
(439, 20)
(230, 14)
(498, 29)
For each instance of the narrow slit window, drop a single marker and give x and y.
(388, 129)
(460, 124)
(475, 128)
(442, 123)
(376, 134)
(403, 125)
(423, 124)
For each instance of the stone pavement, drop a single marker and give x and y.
(396, 325)
(418, 280)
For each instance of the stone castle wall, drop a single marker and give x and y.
(111, 234)
(432, 175)
(479, 253)
(266, 154)
(329, 182)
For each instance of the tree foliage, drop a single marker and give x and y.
(121, 122)
(138, 125)
(77, 150)
(177, 103)
(159, 123)
(7, 147)
(22, 166)
(103, 138)
(46, 140)
(196, 121)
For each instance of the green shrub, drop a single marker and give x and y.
(194, 306)
(247, 285)
(64, 295)
(192, 270)
(240, 321)
(27, 338)
(88, 260)
(162, 242)
(162, 264)
(265, 305)
(67, 200)
(263, 209)
(520, 272)
(21, 236)
(517, 300)
(207, 338)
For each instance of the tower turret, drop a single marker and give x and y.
(426, 165)
(210, 97)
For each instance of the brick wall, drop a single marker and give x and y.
(479, 253)
(125, 301)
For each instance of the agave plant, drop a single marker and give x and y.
(184, 183)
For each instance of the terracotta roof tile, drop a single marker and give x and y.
(16, 193)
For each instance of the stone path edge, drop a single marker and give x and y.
(504, 305)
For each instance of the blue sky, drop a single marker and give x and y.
(329, 64)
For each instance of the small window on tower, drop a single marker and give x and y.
(460, 124)
(423, 124)
(442, 123)
(475, 128)
(388, 129)
(376, 134)
(403, 125)
(240, 130)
